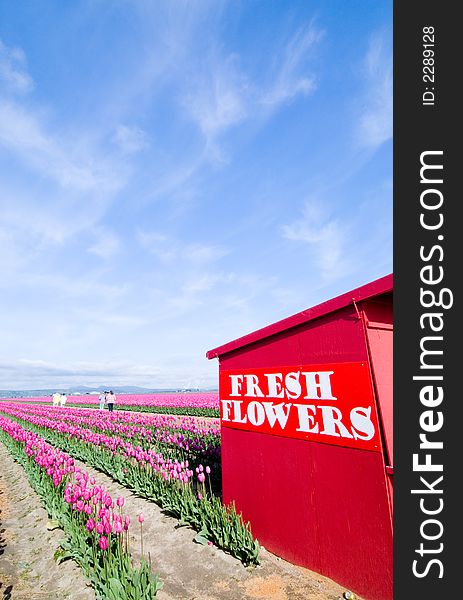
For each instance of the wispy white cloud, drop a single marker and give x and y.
(169, 37)
(218, 98)
(325, 236)
(69, 287)
(10, 257)
(291, 78)
(107, 244)
(200, 254)
(35, 374)
(158, 244)
(23, 133)
(61, 374)
(130, 139)
(375, 119)
(224, 95)
(56, 184)
(13, 70)
(213, 84)
(287, 297)
(105, 315)
(167, 249)
(63, 170)
(204, 282)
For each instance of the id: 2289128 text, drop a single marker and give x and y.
(428, 97)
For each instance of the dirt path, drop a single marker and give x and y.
(189, 571)
(28, 570)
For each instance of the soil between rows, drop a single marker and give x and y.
(189, 571)
(28, 570)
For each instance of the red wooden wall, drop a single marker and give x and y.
(321, 506)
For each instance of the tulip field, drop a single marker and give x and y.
(95, 526)
(171, 460)
(205, 404)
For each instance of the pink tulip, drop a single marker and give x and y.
(118, 527)
(90, 525)
(141, 518)
(120, 501)
(103, 542)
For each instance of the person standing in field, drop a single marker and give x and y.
(102, 399)
(110, 400)
(56, 399)
(63, 399)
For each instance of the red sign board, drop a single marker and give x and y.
(329, 403)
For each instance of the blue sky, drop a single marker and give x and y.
(174, 175)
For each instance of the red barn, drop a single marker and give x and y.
(306, 418)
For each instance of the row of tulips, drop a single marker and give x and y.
(195, 404)
(200, 445)
(95, 526)
(193, 434)
(181, 490)
(193, 424)
(168, 467)
(191, 443)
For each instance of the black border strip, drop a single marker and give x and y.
(424, 123)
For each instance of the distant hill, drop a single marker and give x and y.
(82, 390)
